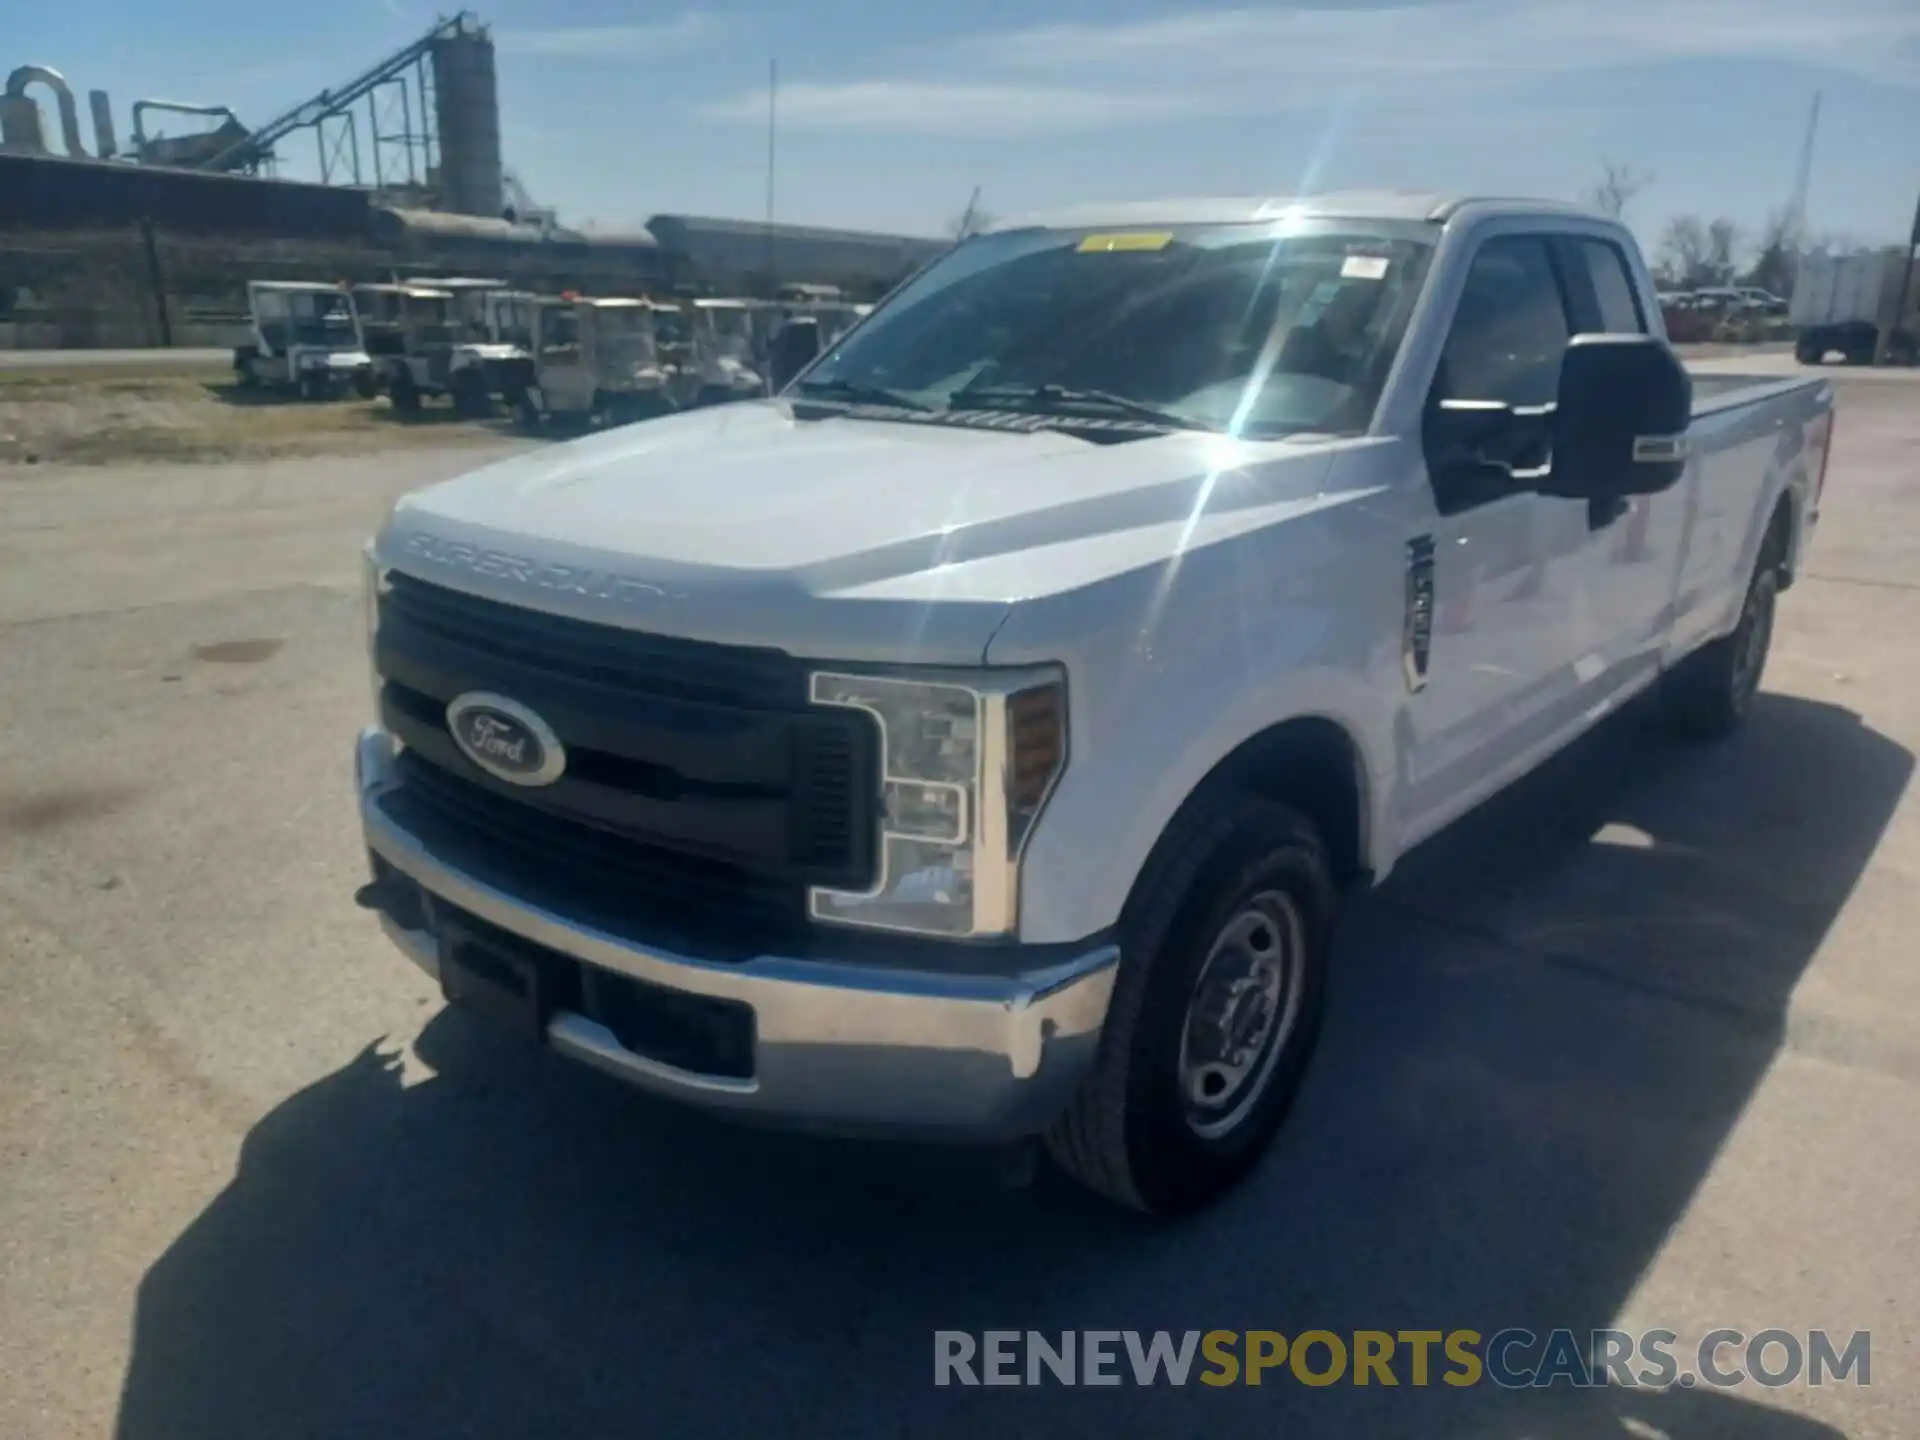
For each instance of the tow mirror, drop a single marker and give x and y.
(1620, 423)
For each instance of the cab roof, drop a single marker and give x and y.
(1399, 205)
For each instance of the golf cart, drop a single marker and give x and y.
(306, 337)
(603, 361)
(461, 338)
(723, 352)
(382, 312)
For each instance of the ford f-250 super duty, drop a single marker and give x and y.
(975, 738)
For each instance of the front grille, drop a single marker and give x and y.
(701, 792)
(588, 874)
(624, 660)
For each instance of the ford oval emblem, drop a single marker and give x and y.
(505, 739)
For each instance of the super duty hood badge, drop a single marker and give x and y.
(541, 574)
(505, 739)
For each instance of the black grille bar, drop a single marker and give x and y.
(655, 665)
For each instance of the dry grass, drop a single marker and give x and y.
(104, 415)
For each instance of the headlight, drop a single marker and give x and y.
(967, 763)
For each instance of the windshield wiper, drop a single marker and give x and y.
(1064, 400)
(854, 392)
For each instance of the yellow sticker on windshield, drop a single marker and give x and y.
(1127, 240)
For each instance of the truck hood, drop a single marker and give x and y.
(845, 537)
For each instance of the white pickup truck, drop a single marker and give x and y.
(977, 738)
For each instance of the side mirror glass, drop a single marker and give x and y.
(1620, 423)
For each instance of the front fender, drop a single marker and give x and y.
(1172, 670)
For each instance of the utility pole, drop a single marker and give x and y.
(966, 216)
(773, 90)
(1884, 352)
(1802, 179)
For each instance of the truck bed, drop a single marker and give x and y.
(1719, 391)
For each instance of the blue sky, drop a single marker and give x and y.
(891, 111)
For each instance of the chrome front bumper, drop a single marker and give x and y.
(838, 1046)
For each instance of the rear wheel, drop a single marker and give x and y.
(470, 397)
(405, 394)
(1215, 1012)
(1711, 692)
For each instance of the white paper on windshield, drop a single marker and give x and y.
(1364, 267)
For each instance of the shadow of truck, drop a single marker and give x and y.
(1542, 1030)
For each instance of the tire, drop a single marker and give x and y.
(1230, 869)
(526, 412)
(1807, 351)
(470, 397)
(1710, 693)
(405, 394)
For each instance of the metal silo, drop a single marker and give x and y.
(467, 112)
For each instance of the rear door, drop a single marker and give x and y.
(1630, 551)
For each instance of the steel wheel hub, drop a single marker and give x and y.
(1243, 1007)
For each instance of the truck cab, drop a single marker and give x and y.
(977, 738)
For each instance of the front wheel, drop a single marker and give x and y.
(1215, 1013)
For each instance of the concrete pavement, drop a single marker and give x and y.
(1634, 1044)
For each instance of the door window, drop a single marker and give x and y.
(1510, 330)
(1616, 311)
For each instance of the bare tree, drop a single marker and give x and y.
(1776, 258)
(1616, 187)
(1723, 242)
(1683, 252)
(1694, 253)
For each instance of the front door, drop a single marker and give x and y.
(1501, 563)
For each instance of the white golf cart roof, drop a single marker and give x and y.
(298, 287)
(623, 302)
(710, 302)
(459, 282)
(411, 292)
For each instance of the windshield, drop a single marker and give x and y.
(1261, 329)
(670, 326)
(324, 320)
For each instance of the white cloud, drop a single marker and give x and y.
(1376, 62)
(942, 108)
(595, 42)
